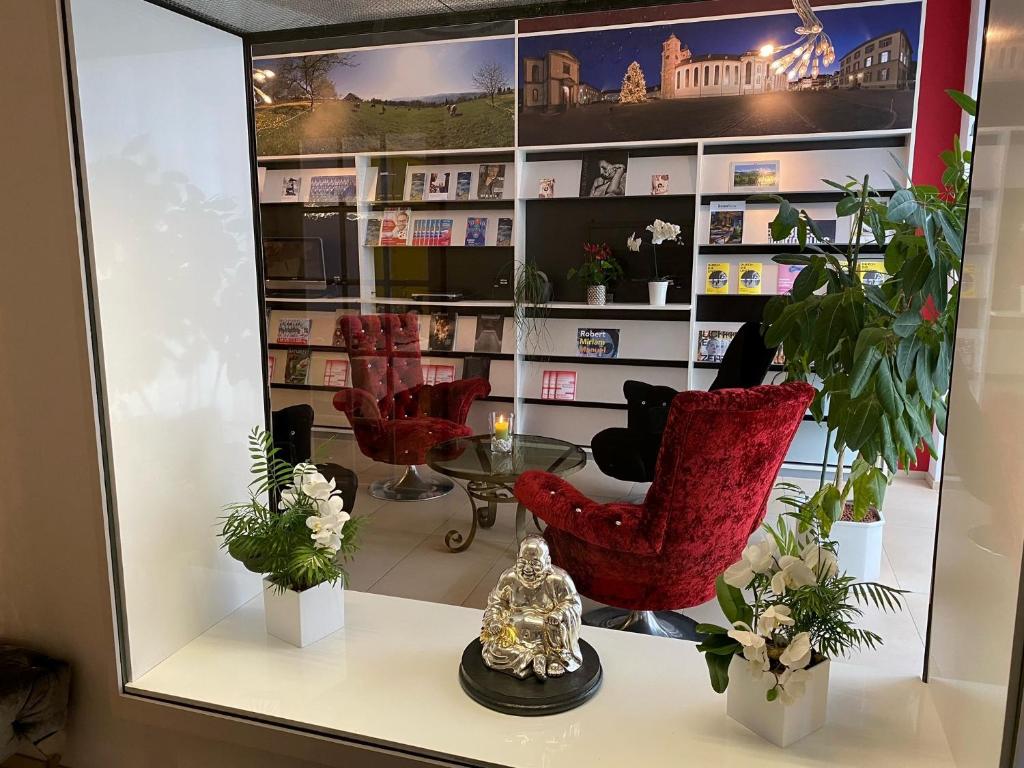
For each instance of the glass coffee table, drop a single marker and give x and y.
(489, 477)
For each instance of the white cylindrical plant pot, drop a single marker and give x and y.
(860, 547)
(301, 618)
(595, 294)
(657, 291)
(781, 724)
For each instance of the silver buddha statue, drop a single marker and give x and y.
(533, 616)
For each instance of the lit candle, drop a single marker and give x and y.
(501, 427)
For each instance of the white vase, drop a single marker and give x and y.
(860, 547)
(301, 618)
(595, 294)
(781, 724)
(657, 290)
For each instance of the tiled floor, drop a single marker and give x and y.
(403, 552)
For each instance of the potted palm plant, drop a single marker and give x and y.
(599, 269)
(293, 531)
(875, 338)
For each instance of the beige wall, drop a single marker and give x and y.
(54, 592)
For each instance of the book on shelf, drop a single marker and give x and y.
(659, 183)
(712, 343)
(336, 373)
(463, 185)
(291, 187)
(751, 273)
(431, 232)
(490, 330)
(597, 342)
(437, 189)
(785, 278)
(438, 374)
(476, 230)
(338, 339)
(546, 188)
(296, 368)
(474, 367)
(491, 182)
(394, 226)
(717, 280)
(504, 234)
(340, 188)
(389, 186)
(372, 236)
(827, 227)
(294, 330)
(416, 185)
(442, 331)
(271, 366)
(558, 385)
(872, 272)
(726, 222)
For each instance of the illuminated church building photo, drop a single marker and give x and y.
(685, 76)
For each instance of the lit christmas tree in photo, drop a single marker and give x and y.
(634, 87)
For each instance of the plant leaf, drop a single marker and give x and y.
(733, 605)
(906, 323)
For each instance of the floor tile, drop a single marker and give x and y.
(910, 552)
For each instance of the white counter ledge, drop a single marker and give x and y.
(391, 677)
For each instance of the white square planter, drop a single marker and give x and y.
(301, 618)
(860, 547)
(781, 724)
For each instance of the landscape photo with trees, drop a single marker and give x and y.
(455, 94)
(739, 76)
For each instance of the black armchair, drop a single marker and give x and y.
(631, 452)
(292, 429)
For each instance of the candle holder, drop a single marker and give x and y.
(501, 432)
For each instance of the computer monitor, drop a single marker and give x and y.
(294, 263)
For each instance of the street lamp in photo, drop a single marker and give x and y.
(261, 77)
(810, 52)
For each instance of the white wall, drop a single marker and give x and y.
(163, 131)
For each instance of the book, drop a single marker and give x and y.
(558, 385)
(827, 227)
(717, 277)
(872, 272)
(491, 182)
(271, 365)
(604, 173)
(296, 368)
(438, 374)
(442, 331)
(463, 183)
(336, 373)
(786, 276)
(476, 230)
(504, 235)
(373, 236)
(332, 189)
(416, 186)
(394, 226)
(490, 329)
(294, 330)
(659, 184)
(437, 189)
(389, 186)
(711, 344)
(597, 342)
(726, 222)
(432, 232)
(476, 368)
(291, 186)
(338, 339)
(750, 277)
(546, 188)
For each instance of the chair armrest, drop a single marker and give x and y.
(455, 397)
(617, 527)
(358, 405)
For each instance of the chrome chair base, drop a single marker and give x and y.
(655, 623)
(411, 486)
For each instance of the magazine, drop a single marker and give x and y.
(438, 187)
(296, 369)
(476, 230)
(597, 342)
(394, 226)
(490, 329)
(786, 275)
(726, 223)
(711, 345)
(558, 385)
(438, 374)
(336, 373)
(432, 232)
(294, 330)
(372, 236)
(750, 277)
(604, 174)
(389, 186)
(659, 184)
(476, 368)
(416, 186)
(717, 277)
(491, 182)
(338, 339)
(546, 188)
(291, 186)
(463, 183)
(442, 331)
(504, 235)
(332, 189)
(872, 272)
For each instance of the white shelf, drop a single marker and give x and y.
(615, 306)
(403, 302)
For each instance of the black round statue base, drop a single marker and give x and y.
(530, 697)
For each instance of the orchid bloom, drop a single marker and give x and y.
(793, 573)
(820, 560)
(797, 654)
(327, 530)
(633, 243)
(792, 683)
(757, 558)
(775, 616)
(755, 650)
(662, 231)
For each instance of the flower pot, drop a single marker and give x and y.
(301, 618)
(860, 547)
(781, 724)
(657, 290)
(595, 294)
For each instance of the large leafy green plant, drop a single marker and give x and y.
(878, 354)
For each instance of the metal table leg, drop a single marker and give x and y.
(454, 539)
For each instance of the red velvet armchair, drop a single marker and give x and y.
(396, 418)
(719, 459)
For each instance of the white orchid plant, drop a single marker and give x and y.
(660, 232)
(302, 535)
(789, 608)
